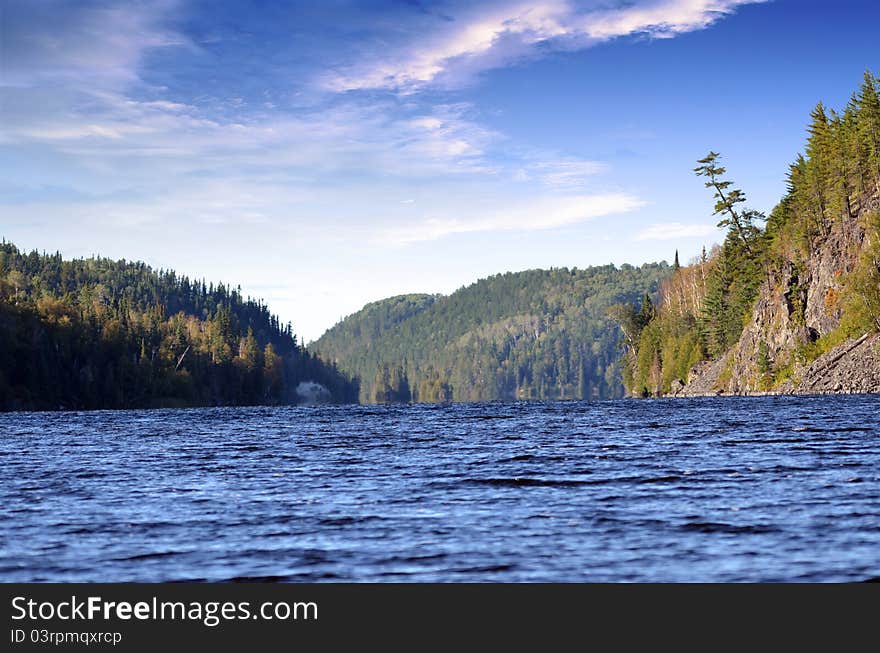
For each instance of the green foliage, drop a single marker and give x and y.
(807, 352)
(95, 333)
(839, 172)
(704, 306)
(731, 288)
(765, 366)
(782, 374)
(648, 362)
(796, 296)
(391, 386)
(735, 277)
(674, 339)
(765, 363)
(861, 301)
(539, 334)
(741, 224)
(668, 347)
(681, 350)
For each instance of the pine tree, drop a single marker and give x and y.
(819, 167)
(869, 123)
(647, 312)
(715, 306)
(726, 199)
(273, 373)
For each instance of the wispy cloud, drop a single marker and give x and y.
(67, 42)
(675, 230)
(566, 174)
(81, 70)
(494, 35)
(156, 142)
(534, 215)
(126, 122)
(73, 67)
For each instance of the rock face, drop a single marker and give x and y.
(796, 306)
(826, 269)
(703, 380)
(850, 368)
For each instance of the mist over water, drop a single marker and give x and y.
(722, 489)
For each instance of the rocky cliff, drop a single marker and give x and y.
(797, 305)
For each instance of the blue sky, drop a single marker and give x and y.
(327, 154)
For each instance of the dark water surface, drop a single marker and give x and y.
(760, 489)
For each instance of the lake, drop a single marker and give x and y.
(714, 489)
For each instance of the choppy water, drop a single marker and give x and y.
(769, 489)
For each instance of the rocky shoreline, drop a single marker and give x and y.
(798, 305)
(852, 367)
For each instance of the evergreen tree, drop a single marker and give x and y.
(95, 333)
(703, 307)
(742, 224)
(538, 334)
(868, 122)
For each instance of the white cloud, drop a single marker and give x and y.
(69, 43)
(657, 18)
(530, 215)
(503, 33)
(74, 65)
(565, 174)
(675, 230)
(81, 94)
(427, 122)
(163, 139)
(473, 37)
(141, 158)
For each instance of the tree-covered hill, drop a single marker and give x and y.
(374, 320)
(538, 334)
(98, 333)
(783, 289)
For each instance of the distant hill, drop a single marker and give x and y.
(96, 333)
(538, 334)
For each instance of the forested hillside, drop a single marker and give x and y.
(539, 334)
(784, 289)
(97, 333)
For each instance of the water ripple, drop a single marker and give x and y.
(715, 489)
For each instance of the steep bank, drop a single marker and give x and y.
(852, 367)
(797, 310)
(790, 302)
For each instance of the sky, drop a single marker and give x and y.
(323, 155)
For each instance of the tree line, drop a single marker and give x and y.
(704, 306)
(97, 333)
(537, 334)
